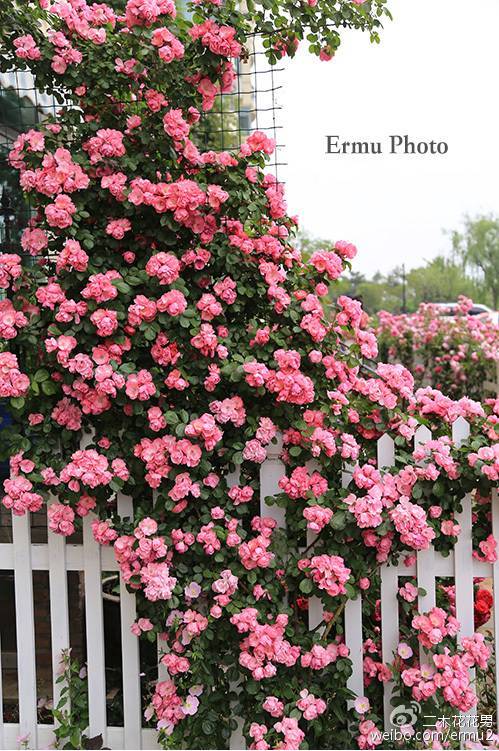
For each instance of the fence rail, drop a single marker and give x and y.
(58, 557)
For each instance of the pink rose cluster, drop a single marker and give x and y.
(411, 524)
(219, 39)
(169, 47)
(143, 555)
(10, 320)
(328, 572)
(147, 12)
(487, 460)
(19, 496)
(106, 144)
(13, 383)
(449, 674)
(61, 519)
(10, 269)
(26, 48)
(288, 383)
(434, 626)
(265, 644)
(58, 173)
(303, 484)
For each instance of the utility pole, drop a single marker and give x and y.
(404, 290)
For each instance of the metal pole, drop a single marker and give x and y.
(404, 290)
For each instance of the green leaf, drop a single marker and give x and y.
(41, 375)
(339, 520)
(121, 286)
(49, 388)
(351, 591)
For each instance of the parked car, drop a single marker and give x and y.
(449, 310)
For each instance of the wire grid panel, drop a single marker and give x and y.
(252, 105)
(22, 106)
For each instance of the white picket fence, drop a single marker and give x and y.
(57, 557)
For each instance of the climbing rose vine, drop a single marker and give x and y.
(165, 331)
(454, 353)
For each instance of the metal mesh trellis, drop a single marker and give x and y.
(22, 107)
(252, 105)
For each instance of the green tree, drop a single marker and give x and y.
(440, 280)
(477, 246)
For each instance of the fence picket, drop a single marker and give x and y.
(385, 452)
(163, 674)
(160, 643)
(94, 617)
(130, 654)
(236, 740)
(425, 567)
(354, 641)
(59, 605)
(25, 628)
(463, 550)
(464, 571)
(353, 623)
(389, 630)
(389, 589)
(425, 559)
(271, 472)
(463, 558)
(315, 608)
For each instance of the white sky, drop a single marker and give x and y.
(434, 76)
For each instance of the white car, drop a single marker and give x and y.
(449, 310)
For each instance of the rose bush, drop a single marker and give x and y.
(169, 331)
(455, 354)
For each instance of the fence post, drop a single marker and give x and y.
(25, 628)
(389, 589)
(160, 649)
(353, 626)
(463, 561)
(271, 472)
(425, 559)
(130, 654)
(94, 617)
(236, 740)
(59, 605)
(315, 608)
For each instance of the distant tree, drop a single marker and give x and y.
(307, 244)
(441, 280)
(477, 246)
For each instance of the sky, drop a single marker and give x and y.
(433, 77)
